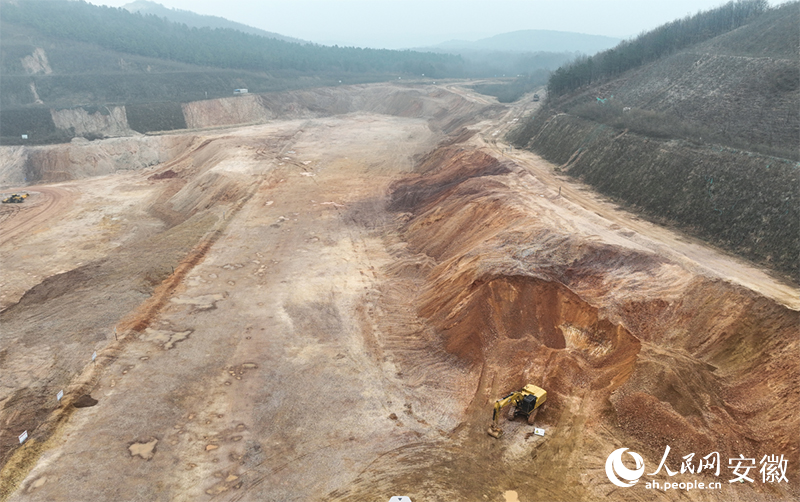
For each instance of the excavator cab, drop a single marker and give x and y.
(527, 405)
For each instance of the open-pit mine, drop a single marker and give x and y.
(319, 295)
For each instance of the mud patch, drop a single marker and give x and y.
(230, 482)
(37, 484)
(168, 174)
(85, 401)
(144, 450)
(317, 319)
(239, 371)
(204, 302)
(167, 338)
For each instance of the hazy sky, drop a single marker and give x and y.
(412, 23)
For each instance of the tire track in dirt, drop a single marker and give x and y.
(469, 96)
(49, 202)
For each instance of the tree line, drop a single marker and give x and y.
(150, 36)
(655, 44)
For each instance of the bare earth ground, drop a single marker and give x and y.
(325, 309)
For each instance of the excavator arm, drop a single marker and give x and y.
(514, 397)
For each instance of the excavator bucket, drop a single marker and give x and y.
(495, 432)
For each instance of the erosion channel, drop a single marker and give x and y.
(325, 305)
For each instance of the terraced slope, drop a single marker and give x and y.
(706, 139)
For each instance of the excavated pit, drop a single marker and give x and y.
(325, 307)
(657, 360)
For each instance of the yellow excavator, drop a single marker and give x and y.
(526, 402)
(15, 198)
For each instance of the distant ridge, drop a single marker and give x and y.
(66, 54)
(194, 20)
(533, 41)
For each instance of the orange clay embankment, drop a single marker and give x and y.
(633, 350)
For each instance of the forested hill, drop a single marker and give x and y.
(151, 36)
(193, 20)
(662, 41)
(695, 124)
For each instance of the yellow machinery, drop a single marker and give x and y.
(15, 198)
(524, 402)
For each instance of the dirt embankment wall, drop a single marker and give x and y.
(446, 111)
(436, 104)
(744, 202)
(107, 120)
(82, 158)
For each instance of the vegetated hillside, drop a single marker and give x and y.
(660, 42)
(58, 55)
(50, 72)
(765, 36)
(705, 136)
(712, 90)
(150, 36)
(194, 20)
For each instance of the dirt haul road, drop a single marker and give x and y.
(325, 309)
(43, 203)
